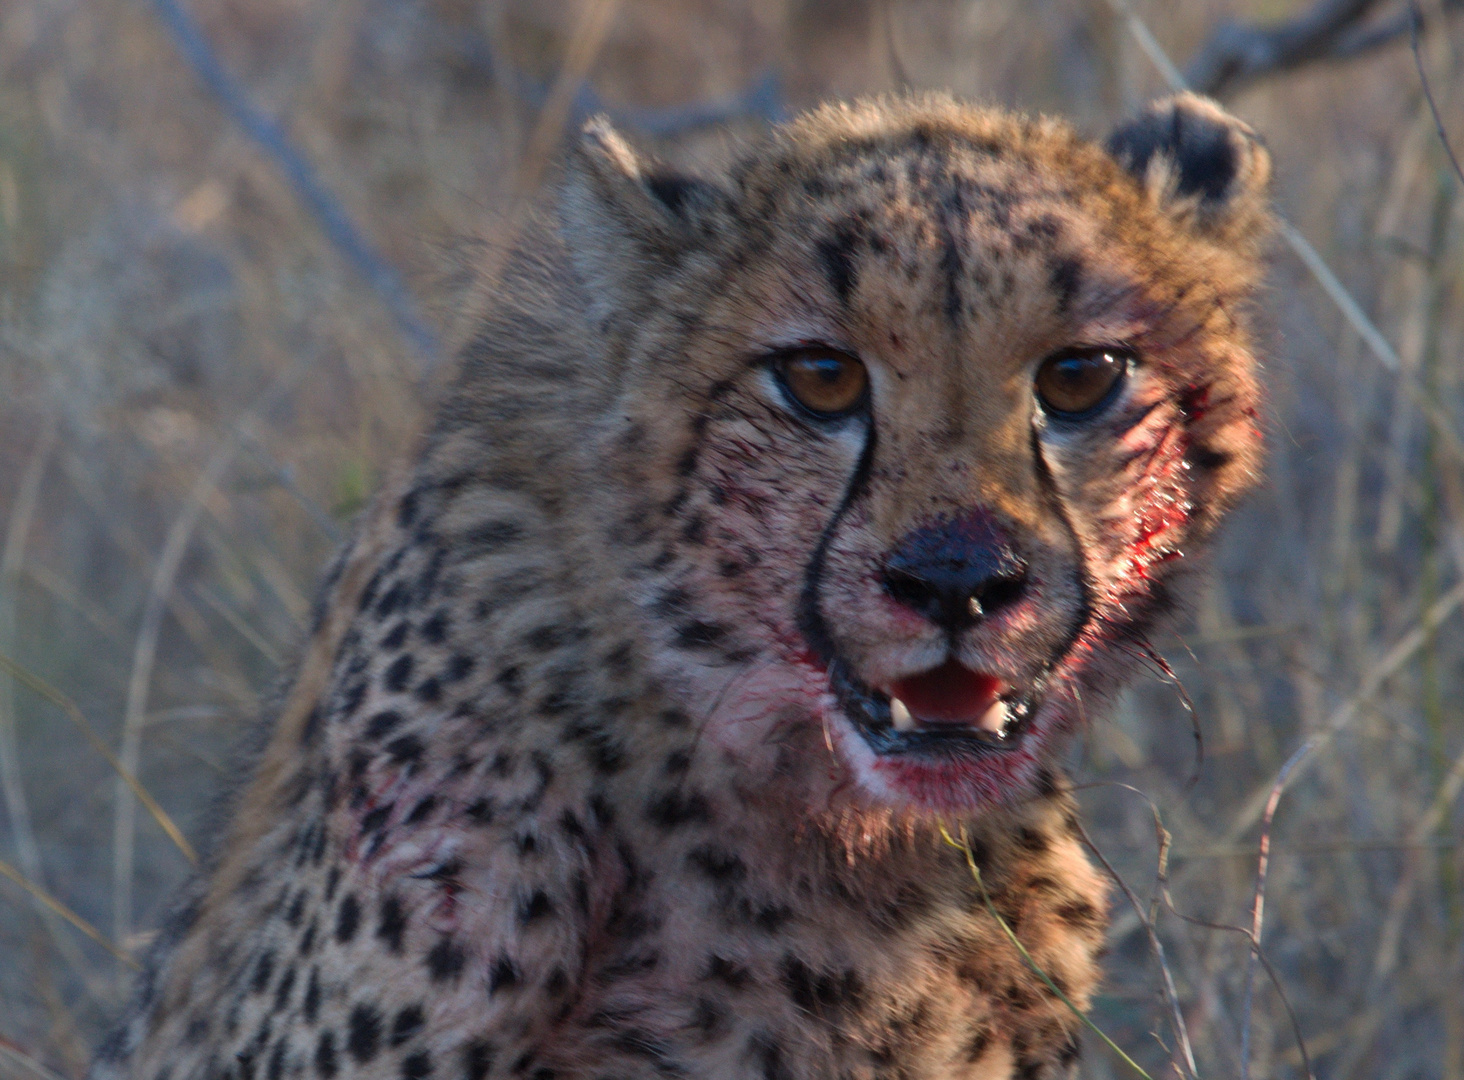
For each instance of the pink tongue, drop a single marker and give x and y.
(949, 694)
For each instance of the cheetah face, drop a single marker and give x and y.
(924, 423)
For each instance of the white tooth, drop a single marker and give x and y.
(994, 719)
(900, 715)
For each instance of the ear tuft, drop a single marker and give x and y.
(1199, 164)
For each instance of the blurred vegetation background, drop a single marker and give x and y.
(225, 260)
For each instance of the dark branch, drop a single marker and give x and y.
(1238, 53)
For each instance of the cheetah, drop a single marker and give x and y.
(777, 522)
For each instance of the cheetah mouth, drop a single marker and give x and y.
(948, 711)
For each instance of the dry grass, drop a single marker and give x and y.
(199, 390)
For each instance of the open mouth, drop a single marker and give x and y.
(950, 711)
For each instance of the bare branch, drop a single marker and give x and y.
(1238, 52)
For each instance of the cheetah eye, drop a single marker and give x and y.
(1076, 382)
(824, 381)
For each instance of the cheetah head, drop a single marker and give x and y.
(915, 420)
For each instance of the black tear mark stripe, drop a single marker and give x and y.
(1047, 484)
(810, 620)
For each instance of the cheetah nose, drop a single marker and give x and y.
(956, 571)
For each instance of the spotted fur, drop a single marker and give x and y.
(567, 784)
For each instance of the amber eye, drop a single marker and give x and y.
(826, 382)
(1077, 381)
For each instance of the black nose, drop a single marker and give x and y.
(956, 571)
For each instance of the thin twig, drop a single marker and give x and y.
(1258, 905)
(1171, 995)
(322, 205)
(1415, 18)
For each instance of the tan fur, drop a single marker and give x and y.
(564, 786)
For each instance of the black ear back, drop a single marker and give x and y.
(1198, 163)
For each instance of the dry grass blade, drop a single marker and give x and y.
(39, 686)
(963, 845)
(144, 656)
(584, 45)
(22, 515)
(56, 907)
(27, 1064)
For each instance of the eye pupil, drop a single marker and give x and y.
(823, 381)
(1077, 381)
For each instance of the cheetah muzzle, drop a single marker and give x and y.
(776, 520)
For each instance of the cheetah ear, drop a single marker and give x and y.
(624, 218)
(1199, 164)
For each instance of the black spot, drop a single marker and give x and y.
(376, 819)
(557, 983)
(350, 700)
(1030, 840)
(675, 718)
(767, 1053)
(435, 628)
(429, 690)
(1080, 915)
(1045, 783)
(722, 866)
(679, 193)
(536, 905)
(392, 924)
(511, 680)
(836, 255)
(282, 991)
(677, 762)
(417, 1066)
(603, 811)
(382, 723)
(503, 975)
(407, 508)
(326, 1065)
(672, 809)
(489, 537)
(728, 972)
(399, 674)
(391, 599)
(276, 1068)
(480, 812)
(477, 1061)
(820, 992)
(977, 1043)
(445, 961)
(296, 910)
(407, 1024)
(458, 668)
(364, 1037)
(311, 1005)
(397, 635)
(699, 634)
(347, 918)
(263, 970)
(1066, 277)
(405, 750)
